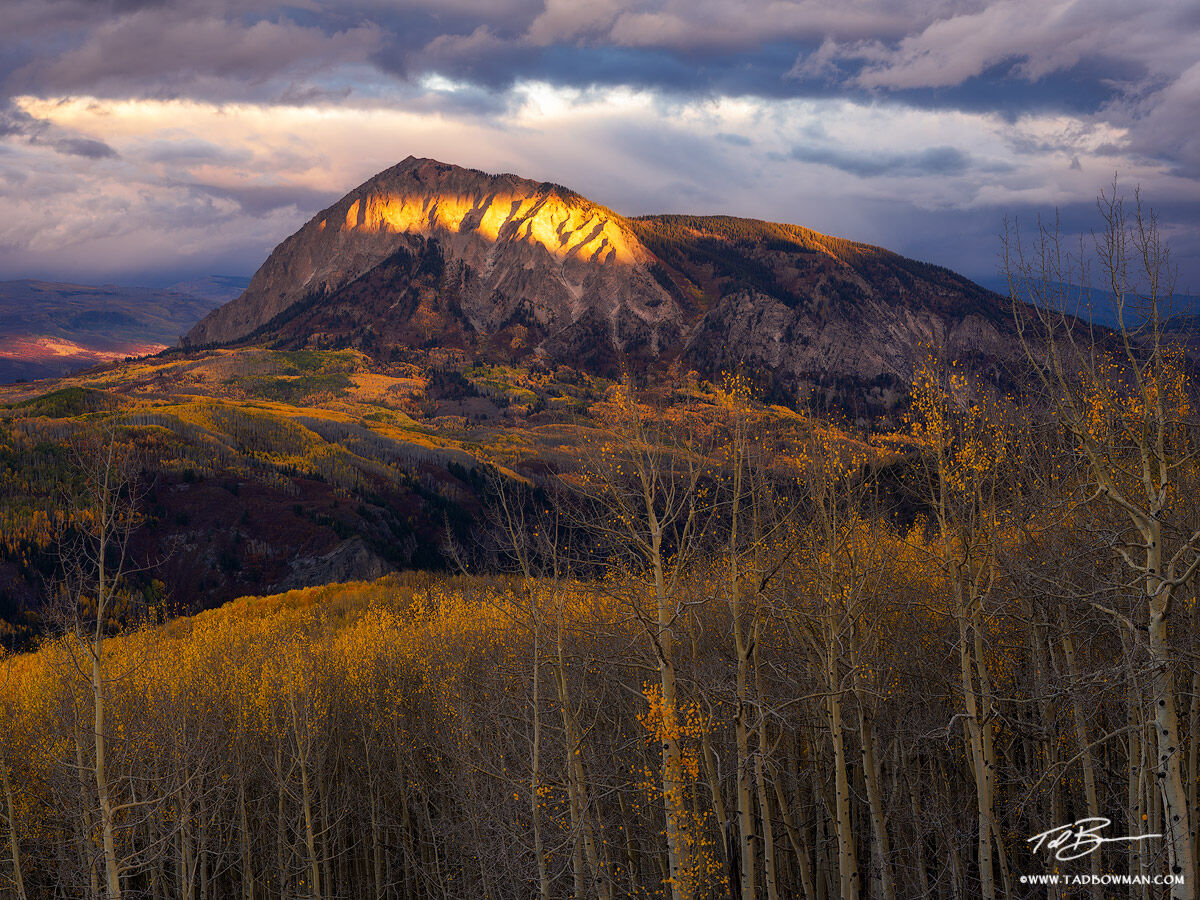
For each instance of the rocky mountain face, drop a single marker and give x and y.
(430, 254)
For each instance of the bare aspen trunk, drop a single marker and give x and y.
(881, 852)
(1081, 738)
(595, 852)
(799, 844)
(323, 833)
(310, 842)
(764, 812)
(674, 805)
(678, 857)
(112, 872)
(376, 848)
(714, 785)
(747, 852)
(14, 844)
(1041, 651)
(881, 868)
(202, 846)
(988, 739)
(987, 885)
(244, 841)
(1147, 792)
(87, 812)
(953, 848)
(764, 801)
(848, 875)
(919, 822)
(829, 826)
(576, 843)
(630, 858)
(187, 862)
(406, 820)
(535, 777)
(1167, 769)
(280, 823)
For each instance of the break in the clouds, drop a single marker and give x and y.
(192, 135)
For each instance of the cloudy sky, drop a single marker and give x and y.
(148, 140)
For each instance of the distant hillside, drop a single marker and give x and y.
(266, 470)
(48, 329)
(218, 288)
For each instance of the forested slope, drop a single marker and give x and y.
(842, 669)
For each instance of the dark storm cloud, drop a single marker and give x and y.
(173, 53)
(1004, 55)
(228, 50)
(976, 244)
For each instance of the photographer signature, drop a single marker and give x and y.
(1080, 838)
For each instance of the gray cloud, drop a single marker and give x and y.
(192, 150)
(16, 123)
(1164, 125)
(953, 53)
(165, 51)
(258, 200)
(85, 147)
(932, 161)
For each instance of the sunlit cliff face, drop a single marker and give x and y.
(520, 247)
(565, 230)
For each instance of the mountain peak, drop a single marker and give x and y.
(501, 226)
(428, 253)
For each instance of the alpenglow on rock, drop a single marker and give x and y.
(523, 246)
(429, 254)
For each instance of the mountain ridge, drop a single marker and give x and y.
(521, 270)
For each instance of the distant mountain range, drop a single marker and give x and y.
(48, 329)
(1099, 306)
(510, 270)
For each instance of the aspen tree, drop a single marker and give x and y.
(533, 537)
(832, 570)
(646, 482)
(95, 564)
(743, 498)
(966, 442)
